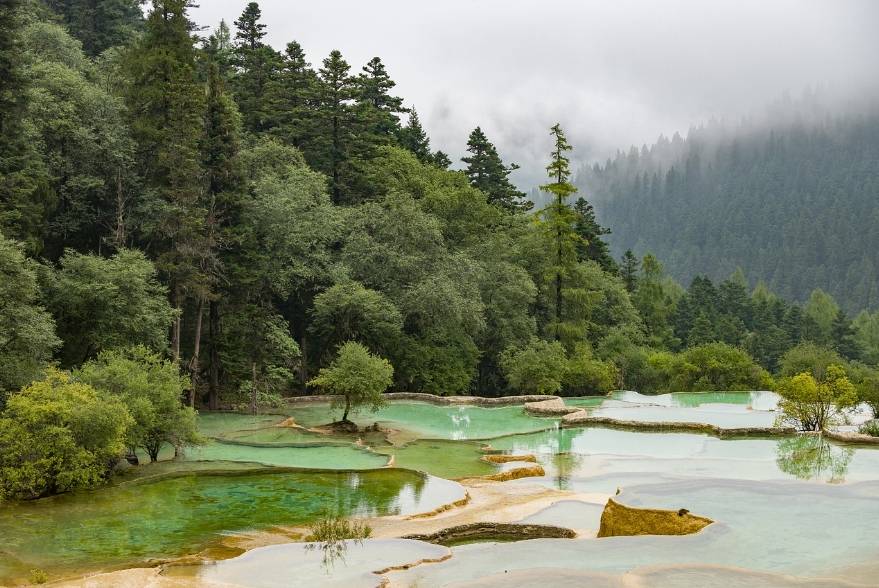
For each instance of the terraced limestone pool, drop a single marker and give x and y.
(791, 505)
(134, 523)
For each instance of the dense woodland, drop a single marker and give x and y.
(793, 198)
(206, 221)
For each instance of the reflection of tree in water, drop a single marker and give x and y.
(375, 493)
(812, 457)
(563, 460)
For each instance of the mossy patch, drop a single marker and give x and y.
(619, 520)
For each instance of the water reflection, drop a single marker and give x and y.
(812, 457)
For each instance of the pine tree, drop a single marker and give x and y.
(224, 189)
(292, 100)
(379, 107)
(21, 171)
(337, 122)
(167, 106)
(592, 246)
(559, 219)
(257, 65)
(843, 337)
(487, 172)
(100, 24)
(415, 139)
(629, 270)
(441, 159)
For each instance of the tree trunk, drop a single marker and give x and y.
(175, 328)
(214, 378)
(196, 352)
(119, 232)
(303, 366)
(347, 408)
(253, 395)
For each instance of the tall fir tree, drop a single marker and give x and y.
(379, 107)
(21, 171)
(293, 100)
(592, 246)
(257, 67)
(629, 265)
(100, 24)
(224, 191)
(337, 119)
(166, 104)
(558, 221)
(414, 138)
(487, 172)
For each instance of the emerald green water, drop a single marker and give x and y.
(429, 421)
(130, 524)
(347, 457)
(446, 459)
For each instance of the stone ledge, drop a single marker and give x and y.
(494, 531)
(439, 400)
(550, 407)
(853, 438)
(583, 419)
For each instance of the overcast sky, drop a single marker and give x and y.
(614, 73)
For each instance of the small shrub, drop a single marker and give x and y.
(870, 428)
(38, 576)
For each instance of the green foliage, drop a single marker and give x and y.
(38, 576)
(718, 366)
(587, 375)
(101, 303)
(357, 376)
(814, 404)
(537, 368)
(57, 435)
(870, 428)
(102, 24)
(487, 172)
(866, 325)
(350, 312)
(808, 357)
(152, 390)
(27, 330)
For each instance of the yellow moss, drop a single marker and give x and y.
(500, 458)
(619, 520)
(516, 473)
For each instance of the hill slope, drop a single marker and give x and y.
(795, 204)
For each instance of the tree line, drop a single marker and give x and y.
(217, 211)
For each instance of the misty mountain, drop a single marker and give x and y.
(795, 203)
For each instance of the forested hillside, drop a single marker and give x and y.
(793, 199)
(241, 214)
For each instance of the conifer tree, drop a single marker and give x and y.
(20, 168)
(592, 246)
(488, 173)
(292, 100)
(336, 115)
(441, 159)
(629, 270)
(380, 108)
(415, 139)
(257, 65)
(167, 106)
(100, 24)
(224, 188)
(558, 221)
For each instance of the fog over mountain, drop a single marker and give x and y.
(614, 73)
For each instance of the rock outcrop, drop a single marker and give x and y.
(550, 407)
